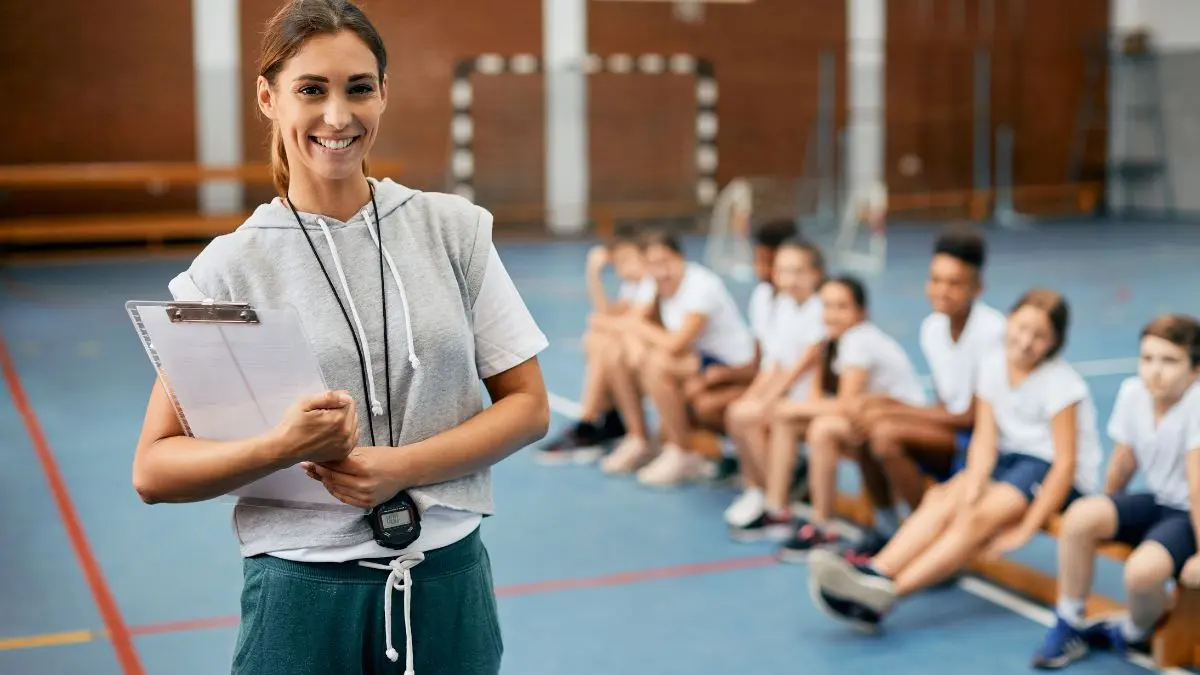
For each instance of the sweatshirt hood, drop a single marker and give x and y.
(389, 196)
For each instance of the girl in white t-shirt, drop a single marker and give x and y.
(599, 422)
(857, 358)
(789, 332)
(1155, 427)
(1035, 448)
(701, 326)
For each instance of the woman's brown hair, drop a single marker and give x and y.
(1055, 306)
(1180, 330)
(286, 33)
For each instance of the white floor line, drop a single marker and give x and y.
(977, 587)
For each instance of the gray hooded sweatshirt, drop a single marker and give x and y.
(436, 251)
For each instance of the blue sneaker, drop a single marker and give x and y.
(1063, 645)
(1106, 633)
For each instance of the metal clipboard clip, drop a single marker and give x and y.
(210, 311)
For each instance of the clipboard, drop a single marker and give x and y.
(231, 371)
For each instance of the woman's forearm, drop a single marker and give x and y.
(181, 469)
(506, 426)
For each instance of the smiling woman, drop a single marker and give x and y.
(416, 433)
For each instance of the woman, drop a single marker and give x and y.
(408, 307)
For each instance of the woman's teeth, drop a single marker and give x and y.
(333, 144)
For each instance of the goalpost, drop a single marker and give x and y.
(855, 239)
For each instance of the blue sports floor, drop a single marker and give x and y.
(596, 576)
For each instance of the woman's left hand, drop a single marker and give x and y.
(1008, 541)
(361, 479)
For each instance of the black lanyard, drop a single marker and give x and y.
(362, 362)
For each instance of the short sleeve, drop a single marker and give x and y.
(1192, 434)
(184, 289)
(479, 258)
(990, 380)
(1121, 424)
(505, 333)
(698, 296)
(1062, 388)
(646, 290)
(854, 350)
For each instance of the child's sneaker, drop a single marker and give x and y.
(768, 526)
(1062, 645)
(806, 538)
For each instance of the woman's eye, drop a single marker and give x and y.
(310, 90)
(361, 90)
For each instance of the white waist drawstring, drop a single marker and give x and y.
(376, 406)
(400, 579)
(412, 352)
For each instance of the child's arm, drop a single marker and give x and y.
(1054, 489)
(981, 453)
(1120, 469)
(676, 342)
(787, 378)
(597, 259)
(1190, 575)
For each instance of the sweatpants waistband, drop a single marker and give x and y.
(458, 557)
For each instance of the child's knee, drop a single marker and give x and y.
(1148, 568)
(1089, 518)
(826, 430)
(884, 441)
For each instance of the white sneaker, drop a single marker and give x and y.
(630, 454)
(748, 506)
(672, 467)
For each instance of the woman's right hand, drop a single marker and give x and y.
(320, 428)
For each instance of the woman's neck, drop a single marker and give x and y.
(338, 199)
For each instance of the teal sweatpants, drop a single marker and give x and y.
(309, 618)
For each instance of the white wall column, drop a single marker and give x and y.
(216, 50)
(865, 94)
(564, 47)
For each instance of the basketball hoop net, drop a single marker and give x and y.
(689, 11)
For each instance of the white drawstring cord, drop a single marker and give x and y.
(412, 351)
(399, 579)
(376, 406)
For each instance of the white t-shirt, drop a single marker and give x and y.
(637, 292)
(761, 310)
(725, 335)
(1023, 414)
(505, 336)
(1160, 449)
(889, 370)
(795, 326)
(954, 366)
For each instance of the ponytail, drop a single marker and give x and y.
(280, 173)
(829, 379)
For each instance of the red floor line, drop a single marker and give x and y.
(514, 590)
(122, 639)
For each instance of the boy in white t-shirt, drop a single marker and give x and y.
(710, 394)
(1155, 426)
(603, 343)
(907, 440)
(788, 339)
(1035, 448)
(701, 328)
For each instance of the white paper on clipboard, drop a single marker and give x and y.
(232, 371)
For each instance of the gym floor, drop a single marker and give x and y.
(595, 575)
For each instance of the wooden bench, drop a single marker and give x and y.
(153, 228)
(604, 216)
(1176, 644)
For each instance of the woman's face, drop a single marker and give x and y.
(794, 274)
(841, 312)
(1030, 336)
(327, 100)
(1165, 368)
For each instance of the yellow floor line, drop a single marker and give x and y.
(47, 639)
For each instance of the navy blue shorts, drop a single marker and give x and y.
(1140, 518)
(957, 463)
(1025, 473)
(708, 360)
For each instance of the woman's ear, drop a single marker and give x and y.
(265, 97)
(383, 94)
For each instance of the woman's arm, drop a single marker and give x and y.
(982, 451)
(1192, 460)
(519, 415)
(171, 467)
(1121, 468)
